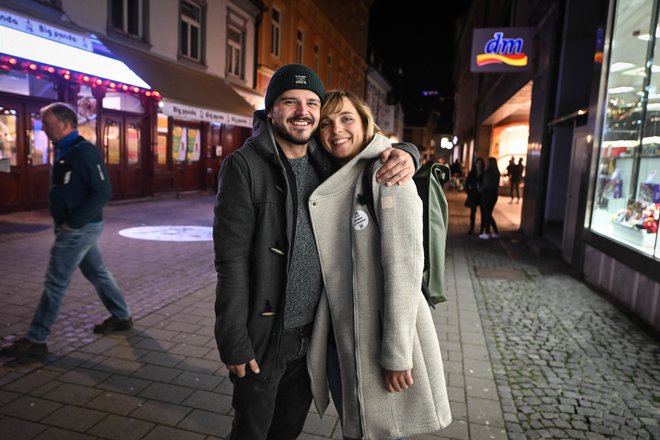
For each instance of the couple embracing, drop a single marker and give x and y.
(313, 297)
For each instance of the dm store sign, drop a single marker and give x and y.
(501, 49)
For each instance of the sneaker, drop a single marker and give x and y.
(23, 347)
(484, 236)
(112, 324)
(495, 235)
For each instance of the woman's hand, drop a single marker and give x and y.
(396, 381)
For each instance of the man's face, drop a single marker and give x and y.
(54, 128)
(295, 115)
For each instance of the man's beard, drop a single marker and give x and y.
(282, 132)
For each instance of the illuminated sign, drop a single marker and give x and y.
(501, 49)
(194, 113)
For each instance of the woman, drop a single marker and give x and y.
(489, 188)
(473, 184)
(374, 343)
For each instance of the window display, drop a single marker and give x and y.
(626, 204)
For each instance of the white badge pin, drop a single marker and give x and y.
(360, 220)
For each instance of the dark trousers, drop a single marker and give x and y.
(473, 215)
(515, 187)
(488, 201)
(275, 409)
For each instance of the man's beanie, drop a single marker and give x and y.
(293, 76)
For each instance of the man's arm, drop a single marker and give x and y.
(399, 164)
(233, 230)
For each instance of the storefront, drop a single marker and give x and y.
(622, 252)
(199, 120)
(40, 64)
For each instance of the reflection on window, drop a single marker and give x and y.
(22, 83)
(8, 128)
(112, 143)
(627, 197)
(40, 147)
(162, 149)
(133, 144)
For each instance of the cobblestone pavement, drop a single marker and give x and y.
(529, 351)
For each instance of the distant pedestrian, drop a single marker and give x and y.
(79, 190)
(514, 172)
(473, 184)
(489, 188)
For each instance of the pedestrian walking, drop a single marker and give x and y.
(374, 341)
(79, 189)
(269, 275)
(489, 188)
(473, 184)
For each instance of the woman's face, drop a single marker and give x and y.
(342, 133)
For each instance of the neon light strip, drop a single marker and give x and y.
(22, 45)
(512, 60)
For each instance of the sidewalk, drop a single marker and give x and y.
(529, 352)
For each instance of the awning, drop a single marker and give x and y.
(182, 84)
(15, 43)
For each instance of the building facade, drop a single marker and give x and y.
(164, 129)
(328, 36)
(581, 114)
(388, 115)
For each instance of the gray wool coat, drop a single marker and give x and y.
(372, 298)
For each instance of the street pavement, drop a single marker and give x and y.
(529, 352)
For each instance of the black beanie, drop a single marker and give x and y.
(293, 76)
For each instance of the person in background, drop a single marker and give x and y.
(520, 171)
(80, 188)
(374, 344)
(268, 270)
(514, 172)
(489, 188)
(473, 183)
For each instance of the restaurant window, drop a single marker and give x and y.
(191, 31)
(235, 46)
(123, 102)
(8, 130)
(626, 202)
(300, 39)
(87, 111)
(162, 131)
(128, 17)
(275, 32)
(185, 144)
(22, 83)
(41, 148)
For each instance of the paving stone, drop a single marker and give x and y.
(115, 403)
(62, 434)
(17, 429)
(121, 428)
(207, 423)
(30, 408)
(74, 418)
(166, 432)
(166, 393)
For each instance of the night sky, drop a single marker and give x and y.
(416, 37)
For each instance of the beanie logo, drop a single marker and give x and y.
(300, 79)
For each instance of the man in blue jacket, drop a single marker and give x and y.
(79, 190)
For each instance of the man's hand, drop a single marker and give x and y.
(396, 381)
(239, 370)
(398, 167)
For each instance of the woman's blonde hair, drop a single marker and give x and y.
(334, 102)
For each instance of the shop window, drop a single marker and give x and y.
(161, 138)
(191, 31)
(87, 111)
(133, 144)
(275, 33)
(185, 144)
(128, 17)
(123, 102)
(112, 143)
(627, 188)
(8, 129)
(21, 83)
(235, 45)
(41, 148)
(300, 39)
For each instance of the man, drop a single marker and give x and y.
(79, 190)
(515, 174)
(269, 278)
